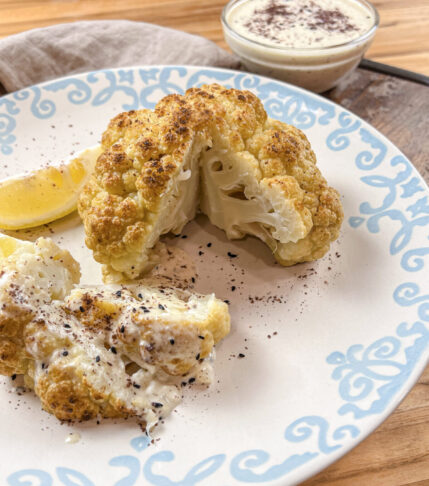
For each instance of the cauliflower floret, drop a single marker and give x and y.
(258, 176)
(113, 352)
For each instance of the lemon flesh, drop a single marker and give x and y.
(9, 245)
(46, 194)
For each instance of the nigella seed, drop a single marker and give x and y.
(144, 309)
(233, 288)
(209, 245)
(136, 385)
(227, 301)
(200, 253)
(157, 404)
(184, 236)
(193, 279)
(197, 357)
(161, 306)
(65, 353)
(81, 309)
(118, 293)
(241, 355)
(122, 329)
(97, 359)
(113, 349)
(183, 383)
(13, 377)
(140, 296)
(191, 380)
(232, 255)
(201, 337)
(172, 341)
(67, 326)
(43, 366)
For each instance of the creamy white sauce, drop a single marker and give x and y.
(300, 23)
(72, 438)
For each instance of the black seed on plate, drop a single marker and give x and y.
(193, 279)
(136, 385)
(201, 337)
(233, 288)
(144, 309)
(161, 306)
(200, 253)
(13, 377)
(157, 404)
(81, 309)
(140, 296)
(232, 255)
(241, 355)
(113, 349)
(67, 326)
(97, 359)
(122, 329)
(65, 353)
(118, 293)
(183, 383)
(227, 301)
(184, 236)
(209, 245)
(197, 357)
(171, 341)
(191, 380)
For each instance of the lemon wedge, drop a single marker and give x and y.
(46, 194)
(9, 245)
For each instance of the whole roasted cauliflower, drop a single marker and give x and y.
(213, 148)
(99, 351)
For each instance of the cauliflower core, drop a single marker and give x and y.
(100, 351)
(212, 147)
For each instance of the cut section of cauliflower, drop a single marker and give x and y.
(99, 351)
(214, 147)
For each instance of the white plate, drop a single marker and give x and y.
(331, 347)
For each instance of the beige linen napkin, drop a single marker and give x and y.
(43, 54)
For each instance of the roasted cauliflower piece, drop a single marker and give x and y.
(214, 147)
(99, 351)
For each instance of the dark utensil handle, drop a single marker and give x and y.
(378, 67)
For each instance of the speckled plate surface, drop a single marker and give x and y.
(330, 347)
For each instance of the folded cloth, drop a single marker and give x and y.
(43, 54)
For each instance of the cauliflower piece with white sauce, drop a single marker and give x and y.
(97, 350)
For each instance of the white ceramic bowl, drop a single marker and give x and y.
(316, 69)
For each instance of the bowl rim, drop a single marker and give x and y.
(358, 40)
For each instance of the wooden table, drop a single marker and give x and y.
(398, 452)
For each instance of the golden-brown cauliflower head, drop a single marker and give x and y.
(214, 148)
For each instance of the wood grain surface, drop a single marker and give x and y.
(402, 40)
(397, 454)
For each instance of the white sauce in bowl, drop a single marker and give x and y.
(300, 23)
